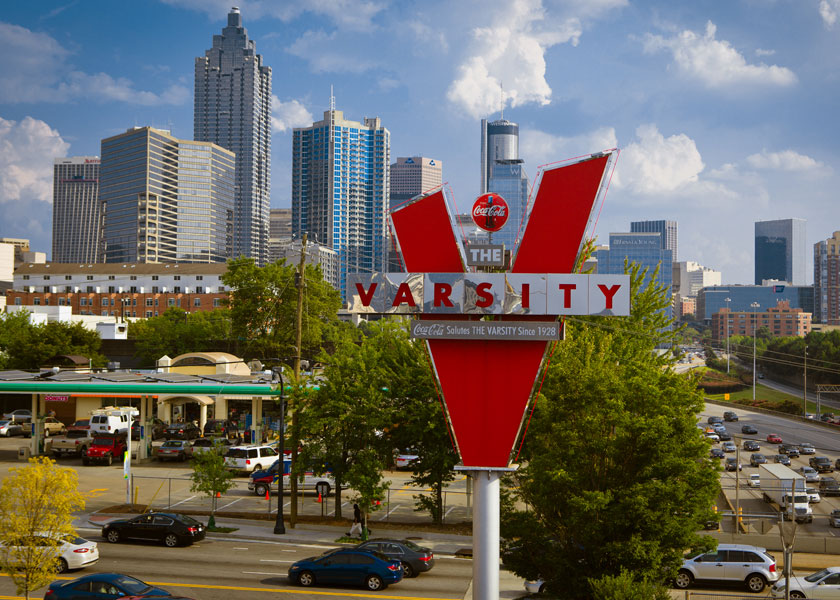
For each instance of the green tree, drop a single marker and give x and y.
(36, 501)
(176, 332)
(615, 474)
(211, 478)
(263, 304)
(625, 586)
(27, 346)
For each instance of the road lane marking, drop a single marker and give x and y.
(332, 512)
(96, 493)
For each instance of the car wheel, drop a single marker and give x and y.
(61, 566)
(755, 583)
(797, 595)
(46, 433)
(261, 490)
(83, 451)
(374, 582)
(182, 457)
(171, 540)
(257, 468)
(323, 489)
(113, 536)
(683, 580)
(408, 571)
(306, 579)
(110, 460)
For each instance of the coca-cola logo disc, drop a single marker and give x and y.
(490, 212)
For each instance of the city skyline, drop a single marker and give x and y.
(723, 112)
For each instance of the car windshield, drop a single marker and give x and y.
(237, 453)
(171, 444)
(3, 423)
(103, 442)
(412, 545)
(816, 576)
(131, 585)
(77, 433)
(73, 539)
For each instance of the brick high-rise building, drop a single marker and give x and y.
(827, 280)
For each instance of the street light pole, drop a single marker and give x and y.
(728, 300)
(279, 526)
(805, 387)
(754, 306)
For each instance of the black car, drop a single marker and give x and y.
(837, 464)
(713, 420)
(834, 518)
(730, 416)
(757, 459)
(782, 459)
(821, 464)
(829, 486)
(103, 585)
(751, 445)
(724, 436)
(155, 429)
(170, 528)
(415, 559)
(182, 431)
(731, 465)
(217, 427)
(790, 449)
(749, 429)
(716, 453)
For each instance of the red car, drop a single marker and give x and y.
(105, 448)
(774, 438)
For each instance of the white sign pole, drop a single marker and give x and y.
(486, 535)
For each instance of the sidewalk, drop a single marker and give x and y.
(442, 544)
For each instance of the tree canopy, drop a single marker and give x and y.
(28, 346)
(176, 332)
(615, 474)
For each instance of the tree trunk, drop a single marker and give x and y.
(338, 488)
(438, 516)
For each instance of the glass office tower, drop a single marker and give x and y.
(780, 251)
(509, 181)
(77, 216)
(666, 229)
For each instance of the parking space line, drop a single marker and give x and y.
(332, 512)
(451, 508)
(181, 502)
(226, 505)
(387, 514)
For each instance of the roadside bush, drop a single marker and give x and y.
(624, 587)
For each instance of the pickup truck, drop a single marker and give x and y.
(74, 443)
(263, 481)
(105, 448)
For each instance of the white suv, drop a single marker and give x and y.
(250, 458)
(730, 563)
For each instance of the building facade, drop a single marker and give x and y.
(711, 300)
(77, 214)
(279, 231)
(780, 320)
(233, 109)
(499, 141)
(666, 229)
(780, 251)
(827, 281)
(165, 199)
(410, 177)
(316, 254)
(690, 277)
(139, 290)
(340, 190)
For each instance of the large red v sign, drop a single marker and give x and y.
(487, 384)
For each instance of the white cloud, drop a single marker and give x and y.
(658, 165)
(36, 69)
(510, 51)
(828, 12)
(287, 115)
(541, 148)
(763, 52)
(429, 37)
(27, 150)
(786, 160)
(715, 62)
(322, 51)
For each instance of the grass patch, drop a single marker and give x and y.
(766, 397)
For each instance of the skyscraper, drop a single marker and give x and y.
(165, 199)
(413, 175)
(279, 232)
(666, 229)
(502, 173)
(77, 215)
(780, 251)
(340, 189)
(233, 110)
(827, 280)
(499, 141)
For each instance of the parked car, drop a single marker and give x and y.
(53, 426)
(837, 464)
(829, 486)
(537, 586)
(749, 429)
(834, 518)
(154, 429)
(730, 416)
(105, 448)
(217, 427)
(757, 459)
(751, 445)
(822, 464)
(713, 420)
(791, 450)
(182, 431)
(21, 414)
(731, 464)
(206, 444)
(813, 495)
(810, 474)
(250, 458)
(8, 428)
(264, 480)
(73, 443)
(109, 421)
(730, 563)
(782, 459)
(716, 453)
(822, 584)
(728, 447)
(404, 458)
(774, 438)
(414, 559)
(79, 424)
(100, 586)
(174, 450)
(71, 551)
(172, 529)
(807, 448)
(373, 570)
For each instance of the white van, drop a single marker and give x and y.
(109, 421)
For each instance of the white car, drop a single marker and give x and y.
(810, 474)
(20, 414)
(807, 448)
(813, 495)
(822, 584)
(73, 552)
(250, 458)
(535, 587)
(404, 458)
(9, 428)
(713, 436)
(755, 480)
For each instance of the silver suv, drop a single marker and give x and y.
(730, 563)
(250, 458)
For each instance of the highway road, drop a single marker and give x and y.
(232, 570)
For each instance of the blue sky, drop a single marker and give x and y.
(725, 112)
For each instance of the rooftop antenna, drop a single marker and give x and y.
(332, 99)
(502, 98)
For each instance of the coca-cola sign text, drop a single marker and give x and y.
(490, 212)
(486, 330)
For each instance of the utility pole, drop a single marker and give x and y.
(300, 281)
(805, 387)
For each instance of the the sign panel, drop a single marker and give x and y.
(490, 212)
(486, 255)
(486, 330)
(55, 398)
